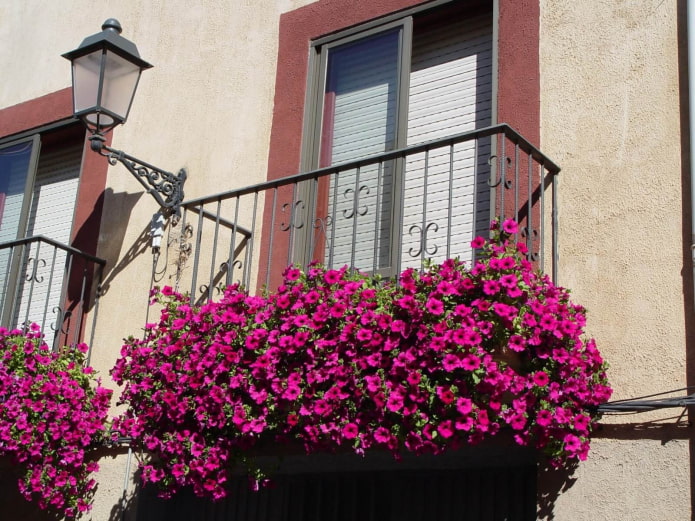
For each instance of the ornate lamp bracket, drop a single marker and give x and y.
(165, 187)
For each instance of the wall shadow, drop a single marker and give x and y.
(552, 482)
(138, 247)
(111, 245)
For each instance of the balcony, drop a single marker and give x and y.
(50, 284)
(379, 214)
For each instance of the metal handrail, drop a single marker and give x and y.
(501, 128)
(59, 245)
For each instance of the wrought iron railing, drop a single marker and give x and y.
(48, 283)
(378, 214)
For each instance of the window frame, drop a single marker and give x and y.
(12, 282)
(313, 117)
(43, 115)
(515, 66)
(313, 124)
(316, 79)
(32, 166)
(44, 140)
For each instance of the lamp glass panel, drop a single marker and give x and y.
(85, 80)
(120, 81)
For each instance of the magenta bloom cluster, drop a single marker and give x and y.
(339, 360)
(52, 411)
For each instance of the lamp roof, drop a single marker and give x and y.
(110, 38)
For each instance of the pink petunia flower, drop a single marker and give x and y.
(414, 378)
(509, 280)
(510, 226)
(382, 435)
(517, 343)
(450, 362)
(540, 379)
(445, 394)
(544, 418)
(364, 335)
(470, 362)
(434, 306)
(350, 431)
(332, 277)
(464, 423)
(491, 287)
(394, 403)
(464, 405)
(292, 274)
(572, 443)
(477, 243)
(445, 429)
(517, 421)
(581, 423)
(338, 310)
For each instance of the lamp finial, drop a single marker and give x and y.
(112, 24)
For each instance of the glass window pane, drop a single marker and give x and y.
(15, 161)
(360, 99)
(40, 294)
(359, 120)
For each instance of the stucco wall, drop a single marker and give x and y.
(206, 105)
(610, 116)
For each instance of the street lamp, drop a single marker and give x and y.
(106, 68)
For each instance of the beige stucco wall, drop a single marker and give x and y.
(610, 116)
(206, 105)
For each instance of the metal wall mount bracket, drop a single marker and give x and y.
(165, 187)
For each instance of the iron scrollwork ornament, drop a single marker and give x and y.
(34, 275)
(295, 207)
(322, 225)
(423, 239)
(349, 213)
(494, 182)
(533, 256)
(165, 187)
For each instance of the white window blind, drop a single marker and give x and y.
(52, 209)
(446, 194)
(360, 120)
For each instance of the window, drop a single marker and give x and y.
(424, 77)
(39, 177)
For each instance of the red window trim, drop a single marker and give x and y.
(518, 80)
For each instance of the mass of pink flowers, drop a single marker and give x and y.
(52, 411)
(339, 360)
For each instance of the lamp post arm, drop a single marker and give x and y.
(165, 187)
